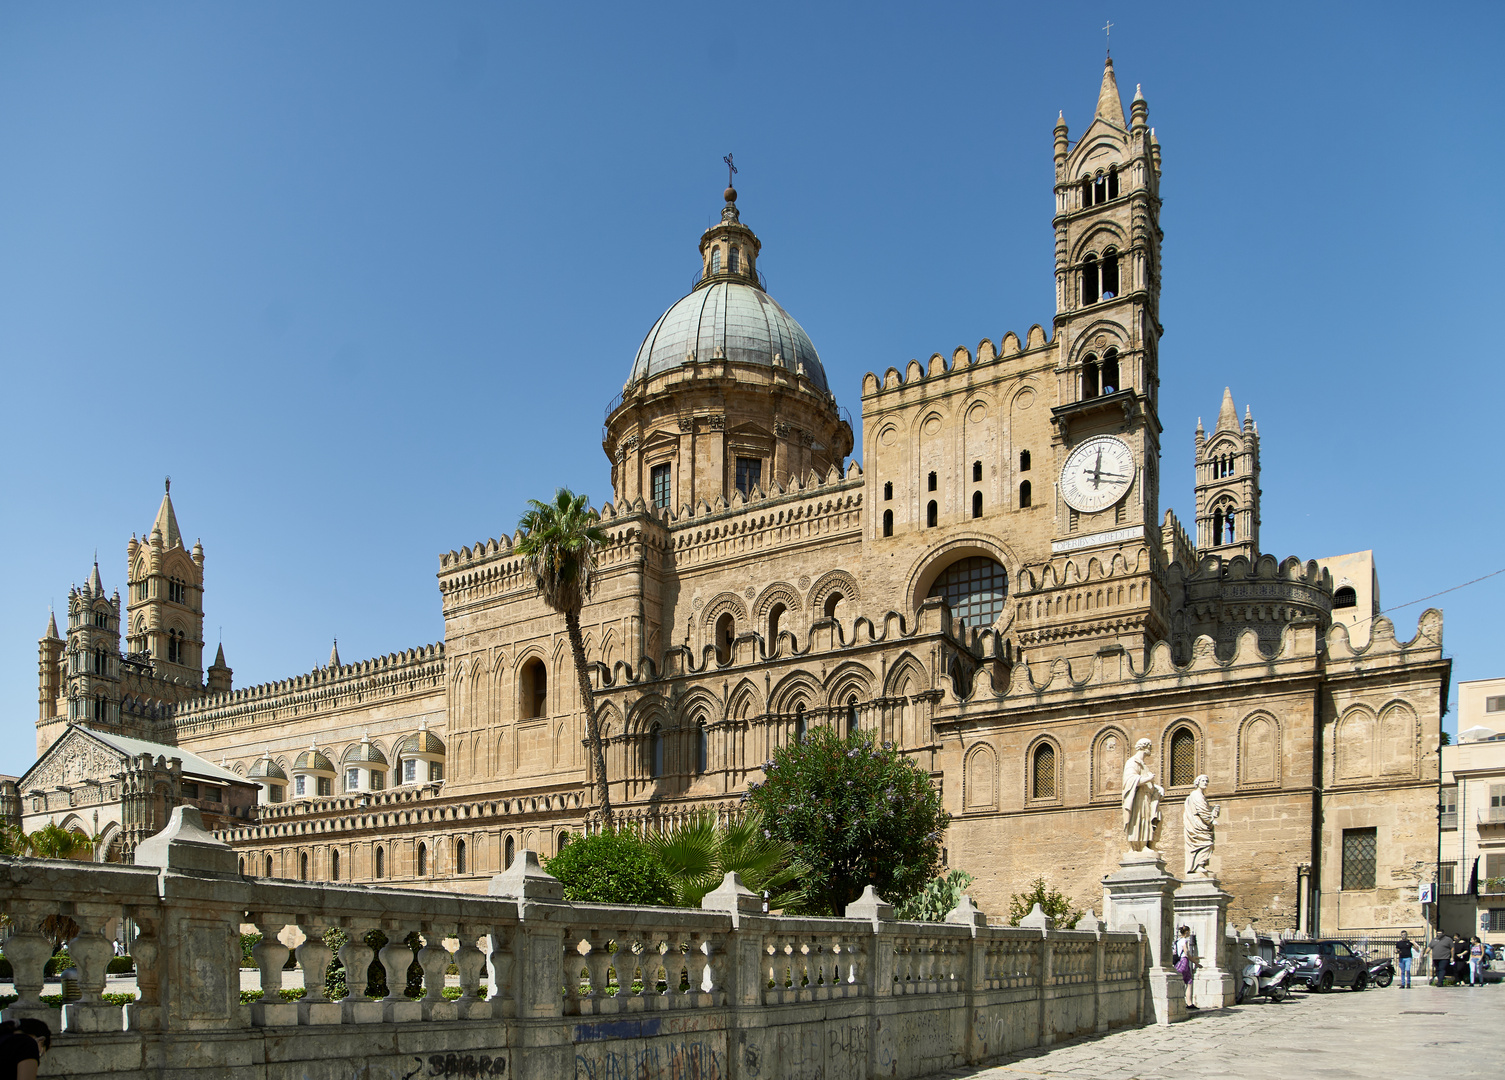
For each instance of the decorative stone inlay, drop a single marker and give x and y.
(716, 423)
(751, 592)
(804, 581)
(780, 428)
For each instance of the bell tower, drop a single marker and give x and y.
(93, 655)
(1107, 326)
(165, 603)
(1228, 484)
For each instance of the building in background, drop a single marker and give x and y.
(1472, 815)
(997, 589)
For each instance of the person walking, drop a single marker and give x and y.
(1475, 961)
(1185, 961)
(22, 1050)
(1458, 968)
(1442, 950)
(1403, 951)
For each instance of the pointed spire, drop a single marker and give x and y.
(219, 657)
(1110, 106)
(167, 521)
(334, 654)
(52, 634)
(1199, 425)
(1227, 415)
(94, 582)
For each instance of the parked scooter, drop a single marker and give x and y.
(1262, 978)
(1381, 971)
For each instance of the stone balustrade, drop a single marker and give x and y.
(547, 987)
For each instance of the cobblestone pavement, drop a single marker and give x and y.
(1389, 1034)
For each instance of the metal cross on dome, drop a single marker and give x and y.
(731, 170)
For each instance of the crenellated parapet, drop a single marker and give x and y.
(395, 675)
(962, 364)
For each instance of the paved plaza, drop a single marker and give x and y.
(1392, 1033)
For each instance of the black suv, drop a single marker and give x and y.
(1321, 965)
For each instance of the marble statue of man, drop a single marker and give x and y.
(1141, 799)
(1197, 817)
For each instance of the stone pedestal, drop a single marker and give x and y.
(1201, 905)
(1142, 898)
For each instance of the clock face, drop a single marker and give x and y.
(1097, 474)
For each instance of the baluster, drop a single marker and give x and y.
(356, 956)
(499, 970)
(433, 958)
(145, 1013)
(806, 981)
(270, 954)
(709, 981)
(313, 957)
(470, 961)
(598, 963)
(28, 951)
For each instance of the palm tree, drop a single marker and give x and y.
(698, 852)
(52, 841)
(561, 541)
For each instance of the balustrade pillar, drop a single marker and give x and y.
(499, 972)
(91, 957)
(433, 958)
(28, 951)
(396, 957)
(313, 958)
(471, 961)
(145, 1013)
(356, 1007)
(270, 955)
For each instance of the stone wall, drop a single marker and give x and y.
(549, 988)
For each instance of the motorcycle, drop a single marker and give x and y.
(1262, 978)
(1381, 971)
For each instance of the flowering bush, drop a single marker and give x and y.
(855, 814)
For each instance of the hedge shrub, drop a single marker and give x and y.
(611, 868)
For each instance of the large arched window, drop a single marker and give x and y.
(423, 860)
(1345, 597)
(1183, 758)
(975, 588)
(1109, 371)
(1042, 772)
(655, 751)
(459, 856)
(833, 605)
(533, 689)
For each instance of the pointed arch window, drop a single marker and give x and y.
(533, 689)
(509, 852)
(801, 728)
(303, 866)
(851, 715)
(381, 863)
(459, 856)
(702, 747)
(655, 751)
(1024, 495)
(888, 523)
(334, 866)
(269, 866)
(1183, 758)
(423, 860)
(1043, 772)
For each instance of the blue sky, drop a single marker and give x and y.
(362, 277)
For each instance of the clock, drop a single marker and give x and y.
(1097, 474)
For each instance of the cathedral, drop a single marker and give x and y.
(996, 589)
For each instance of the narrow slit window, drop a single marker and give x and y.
(1089, 280)
(1110, 274)
(888, 523)
(1024, 494)
(1112, 181)
(977, 504)
(1024, 461)
(977, 472)
(932, 482)
(1110, 371)
(1089, 378)
(932, 513)
(888, 491)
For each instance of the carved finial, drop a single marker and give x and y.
(731, 170)
(167, 485)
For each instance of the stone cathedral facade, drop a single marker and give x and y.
(997, 589)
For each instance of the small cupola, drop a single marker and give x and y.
(729, 249)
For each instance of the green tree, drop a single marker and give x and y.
(1051, 901)
(561, 541)
(52, 841)
(855, 814)
(615, 867)
(699, 853)
(935, 901)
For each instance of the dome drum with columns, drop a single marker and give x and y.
(727, 393)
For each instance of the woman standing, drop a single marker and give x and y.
(1475, 961)
(1186, 960)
